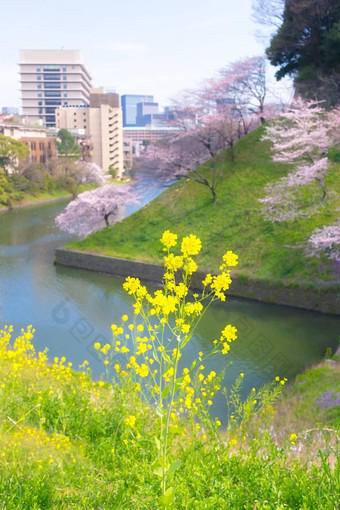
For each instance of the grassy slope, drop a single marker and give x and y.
(64, 444)
(265, 249)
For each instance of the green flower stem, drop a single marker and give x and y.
(174, 377)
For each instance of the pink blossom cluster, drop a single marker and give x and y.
(92, 210)
(302, 137)
(325, 240)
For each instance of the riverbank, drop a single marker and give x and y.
(69, 442)
(319, 298)
(273, 265)
(45, 198)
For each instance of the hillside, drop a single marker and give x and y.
(266, 249)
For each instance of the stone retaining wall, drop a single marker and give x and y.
(321, 299)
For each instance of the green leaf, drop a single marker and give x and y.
(160, 412)
(193, 364)
(158, 471)
(158, 444)
(174, 466)
(176, 430)
(167, 498)
(165, 392)
(157, 467)
(166, 358)
(179, 383)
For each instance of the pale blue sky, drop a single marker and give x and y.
(132, 46)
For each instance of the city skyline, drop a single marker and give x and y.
(134, 48)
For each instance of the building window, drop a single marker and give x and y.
(64, 77)
(42, 159)
(65, 85)
(51, 67)
(50, 102)
(39, 94)
(33, 146)
(52, 77)
(38, 69)
(39, 85)
(52, 85)
(65, 94)
(50, 118)
(52, 93)
(38, 77)
(41, 146)
(40, 110)
(65, 103)
(50, 110)
(40, 103)
(64, 69)
(49, 145)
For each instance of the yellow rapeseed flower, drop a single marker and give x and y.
(230, 259)
(229, 333)
(191, 245)
(130, 420)
(168, 239)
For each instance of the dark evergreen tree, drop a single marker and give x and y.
(307, 45)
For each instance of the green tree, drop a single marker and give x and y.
(68, 145)
(307, 44)
(11, 153)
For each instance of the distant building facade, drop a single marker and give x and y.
(129, 107)
(50, 79)
(41, 146)
(102, 122)
(41, 150)
(18, 131)
(142, 134)
(10, 110)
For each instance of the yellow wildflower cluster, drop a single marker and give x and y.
(168, 318)
(130, 420)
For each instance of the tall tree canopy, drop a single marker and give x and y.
(11, 153)
(307, 45)
(68, 145)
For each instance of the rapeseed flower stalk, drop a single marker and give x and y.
(169, 317)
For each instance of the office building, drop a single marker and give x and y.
(129, 107)
(50, 79)
(102, 122)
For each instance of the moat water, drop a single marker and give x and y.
(71, 309)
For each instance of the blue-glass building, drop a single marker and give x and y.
(129, 106)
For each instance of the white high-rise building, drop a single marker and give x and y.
(50, 79)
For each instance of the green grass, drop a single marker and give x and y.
(64, 444)
(266, 249)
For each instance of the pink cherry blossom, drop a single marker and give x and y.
(92, 210)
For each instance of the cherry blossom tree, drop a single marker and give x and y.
(94, 209)
(325, 240)
(242, 86)
(90, 172)
(191, 154)
(302, 137)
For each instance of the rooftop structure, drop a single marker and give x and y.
(50, 79)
